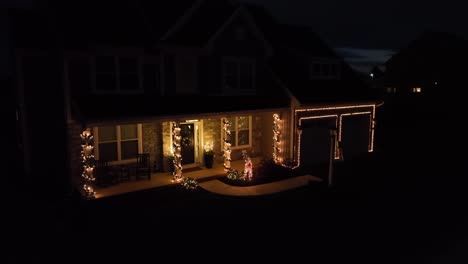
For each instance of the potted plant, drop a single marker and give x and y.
(208, 155)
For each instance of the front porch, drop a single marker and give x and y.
(165, 178)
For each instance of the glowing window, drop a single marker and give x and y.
(241, 131)
(118, 143)
(416, 89)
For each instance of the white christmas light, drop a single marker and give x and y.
(344, 111)
(176, 149)
(227, 144)
(248, 166)
(277, 141)
(87, 159)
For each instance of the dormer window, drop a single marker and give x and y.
(117, 74)
(238, 75)
(324, 70)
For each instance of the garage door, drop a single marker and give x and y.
(355, 135)
(315, 141)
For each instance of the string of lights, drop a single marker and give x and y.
(176, 148)
(339, 119)
(87, 157)
(277, 141)
(227, 144)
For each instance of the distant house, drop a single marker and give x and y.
(171, 78)
(430, 66)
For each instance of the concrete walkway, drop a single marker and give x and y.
(218, 187)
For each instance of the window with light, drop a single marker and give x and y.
(241, 131)
(117, 143)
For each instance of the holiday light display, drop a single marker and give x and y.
(371, 127)
(300, 134)
(248, 166)
(87, 158)
(344, 111)
(176, 149)
(277, 126)
(227, 144)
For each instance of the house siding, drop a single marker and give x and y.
(74, 130)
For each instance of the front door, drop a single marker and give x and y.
(187, 132)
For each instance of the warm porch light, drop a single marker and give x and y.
(416, 89)
(176, 148)
(227, 144)
(87, 159)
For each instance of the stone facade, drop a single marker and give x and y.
(152, 144)
(166, 129)
(212, 134)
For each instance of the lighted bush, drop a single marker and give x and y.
(234, 174)
(189, 183)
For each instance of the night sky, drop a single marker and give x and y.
(365, 32)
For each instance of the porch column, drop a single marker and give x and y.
(176, 148)
(87, 156)
(227, 144)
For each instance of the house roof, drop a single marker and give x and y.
(296, 46)
(202, 24)
(77, 23)
(134, 107)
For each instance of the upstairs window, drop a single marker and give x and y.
(324, 70)
(238, 75)
(117, 74)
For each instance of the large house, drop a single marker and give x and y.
(173, 78)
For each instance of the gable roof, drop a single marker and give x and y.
(201, 24)
(104, 107)
(295, 47)
(77, 23)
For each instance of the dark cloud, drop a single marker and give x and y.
(364, 59)
(369, 23)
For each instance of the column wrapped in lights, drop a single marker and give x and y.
(277, 125)
(176, 149)
(227, 144)
(87, 158)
